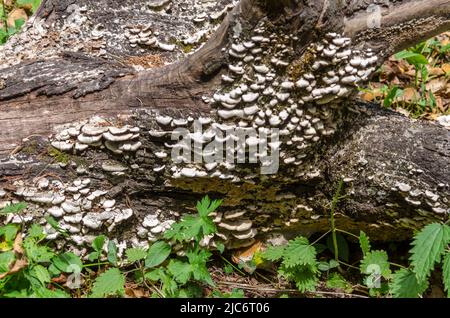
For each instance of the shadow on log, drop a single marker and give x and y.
(87, 123)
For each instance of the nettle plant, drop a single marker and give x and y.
(29, 267)
(177, 265)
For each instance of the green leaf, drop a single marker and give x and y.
(67, 263)
(135, 254)
(181, 271)
(220, 247)
(333, 264)
(412, 58)
(98, 243)
(205, 206)
(93, 256)
(376, 262)
(326, 266)
(336, 281)
(48, 293)
(157, 254)
(299, 252)
(19, 23)
(41, 274)
(405, 285)
(404, 54)
(34, 4)
(112, 253)
(191, 227)
(198, 259)
(428, 246)
(392, 95)
(235, 293)
(364, 243)
(323, 266)
(14, 208)
(342, 245)
(273, 253)
(110, 283)
(37, 232)
(304, 276)
(446, 272)
(154, 275)
(55, 225)
(9, 232)
(6, 260)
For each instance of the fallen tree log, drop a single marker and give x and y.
(87, 120)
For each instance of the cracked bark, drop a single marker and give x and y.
(396, 169)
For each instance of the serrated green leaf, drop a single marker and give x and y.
(205, 206)
(112, 253)
(6, 260)
(67, 262)
(220, 247)
(376, 262)
(169, 285)
(157, 254)
(37, 253)
(48, 293)
(110, 283)
(235, 293)
(299, 252)
(98, 243)
(197, 260)
(155, 275)
(428, 246)
(320, 247)
(36, 231)
(273, 253)
(342, 245)
(135, 254)
(304, 276)
(41, 274)
(14, 208)
(446, 272)
(364, 243)
(404, 284)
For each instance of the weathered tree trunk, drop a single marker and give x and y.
(86, 118)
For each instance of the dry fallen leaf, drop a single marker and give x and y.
(409, 95)
(436, 71)
(446, 68)
(135, 292)
(17, 246)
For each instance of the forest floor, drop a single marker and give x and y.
(415, 82)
